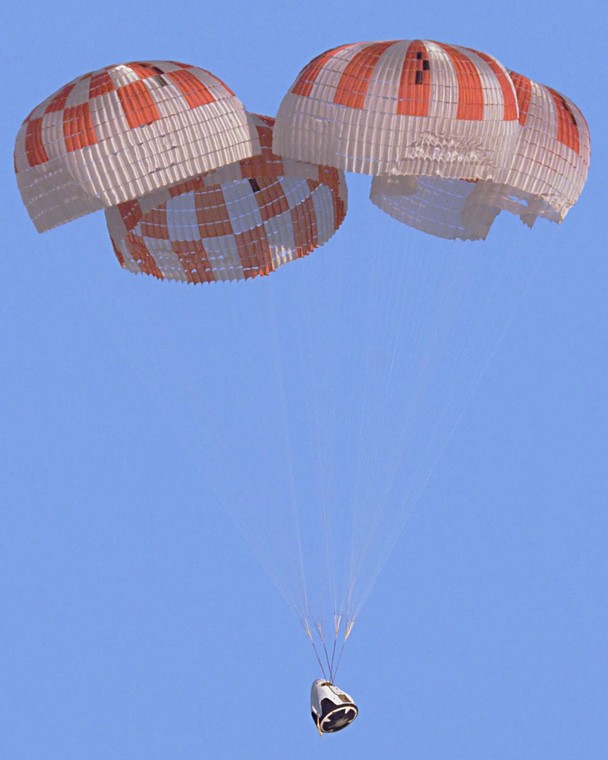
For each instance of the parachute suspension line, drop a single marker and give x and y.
(337, 626)
(321, 460)
(365, 340)
(431, 340)
(329, 667)
(411, 326)
(338, 297)
(160, 391)
(337, 667)
(347, 632)
(333, 657)
(321, 631)
(512, 274)
(335, 413)
(314, 646)
(327, 660)
(383, 315)
(306, 627)
(418, 333)
(287, 440)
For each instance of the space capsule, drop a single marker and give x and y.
(331, 708)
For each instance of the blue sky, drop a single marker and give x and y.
(136, 622)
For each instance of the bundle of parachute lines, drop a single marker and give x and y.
(197, 189)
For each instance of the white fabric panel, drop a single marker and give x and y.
(224, 257)
(165, 258)
(279, 229)
(324, 210)
(296, 190)
(444, 85)
(447, 208)
(47, 205)
(242, 207)
(182, 223)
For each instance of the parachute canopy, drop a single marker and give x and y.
(543, 177)
(450, 136)
(239, 222)
(401, 108)
(123, 131)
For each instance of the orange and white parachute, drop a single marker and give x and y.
(544, 176)
(238, 222)
(123, 131)
(449, 135)
(401, 108)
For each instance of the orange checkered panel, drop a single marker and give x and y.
(401, 108)
(236, 223)
(123, 131)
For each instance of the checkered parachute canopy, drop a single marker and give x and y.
(123, 131)
(450, 136)
(236, 223)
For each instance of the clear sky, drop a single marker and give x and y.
(135, 621)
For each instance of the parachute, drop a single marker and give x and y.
(544, 176)
(243, 220)
(329, 428)
(123, 131)
(401, 108)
